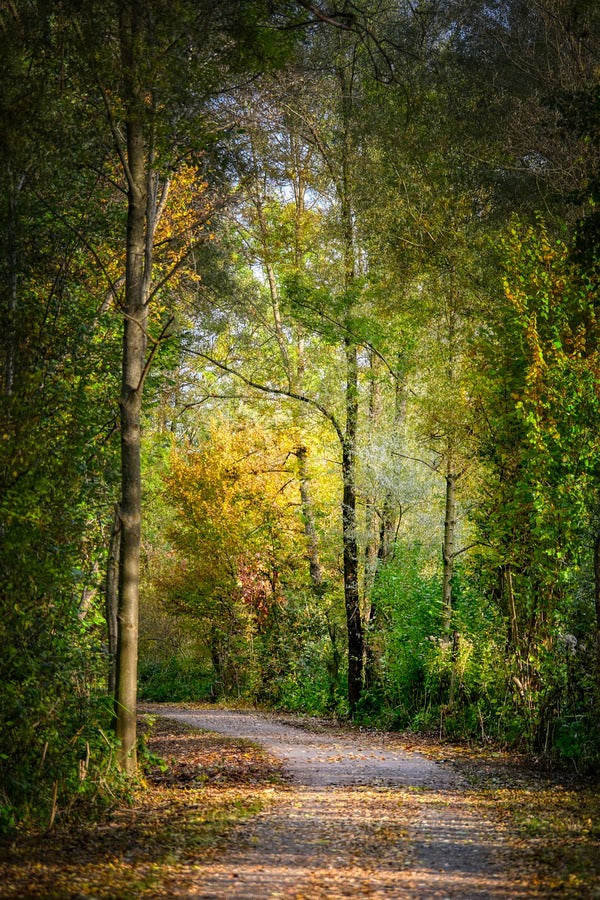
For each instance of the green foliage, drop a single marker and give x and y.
(407, 607)
(474, 684)
(59, 351)
(539, 518)
(521, 661)
(424, 680)
(53, 666)
(307, 674)
(177, 679)
(55, 745)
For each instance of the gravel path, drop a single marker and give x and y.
(364, 818)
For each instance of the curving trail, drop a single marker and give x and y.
(363, 818)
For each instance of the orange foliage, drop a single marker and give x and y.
(185, 220)
(237, 534)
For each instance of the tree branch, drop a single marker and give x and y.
(156, 344)
(434, 467)
(266, 389)
(350, 334)
(324, 17)
(468, 547)
(79, 234)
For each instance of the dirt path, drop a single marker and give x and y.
(363, 818)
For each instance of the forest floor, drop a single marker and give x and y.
(280, 806)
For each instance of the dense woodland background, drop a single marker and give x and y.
(350, 253)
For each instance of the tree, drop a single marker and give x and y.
(314, 299)
(235, 545)
(153, 75)
(57, 464)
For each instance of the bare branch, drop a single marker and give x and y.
(117, 138)
(266, 389)
(435, 467)
(465, 549)
(156, 344)
(324, 17)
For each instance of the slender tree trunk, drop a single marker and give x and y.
(454, 675)
(371, 524)
(310, 530)
(597, 606)
(448, 553)
(373, 541)
(449, 556)
(134, 346)
(349, 520)
(306, 494)
(111, 598)
(391, 512)
(512, 607)
(350, 537)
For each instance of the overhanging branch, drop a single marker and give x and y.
(275, 391)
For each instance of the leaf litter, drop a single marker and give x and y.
(220, 817)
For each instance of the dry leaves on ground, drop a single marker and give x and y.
(551, 818)
(206, 784)
(184, 811)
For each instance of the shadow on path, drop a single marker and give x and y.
(364, 819)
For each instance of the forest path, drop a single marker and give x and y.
(363, 818)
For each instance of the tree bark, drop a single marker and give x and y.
(350, 540)
(448, 554)
(391, 512)
(134, 345)
(111, 599)
(137, 271)
(371, 557)
(310, 530)
(349, 524)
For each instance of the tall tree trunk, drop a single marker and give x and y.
(310, 530)
(371, 524)
(349, 447)
(134, 347)
(391, 510)
(373, 544)
(506, 588)
(306, 494)
(137, 268)
(350, 537)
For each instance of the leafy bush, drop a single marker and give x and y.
(56, 747)
(175, 680)
(424, 679)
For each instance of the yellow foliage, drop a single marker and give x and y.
(237, 532)
(185, 220)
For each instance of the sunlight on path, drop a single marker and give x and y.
(364, 819)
